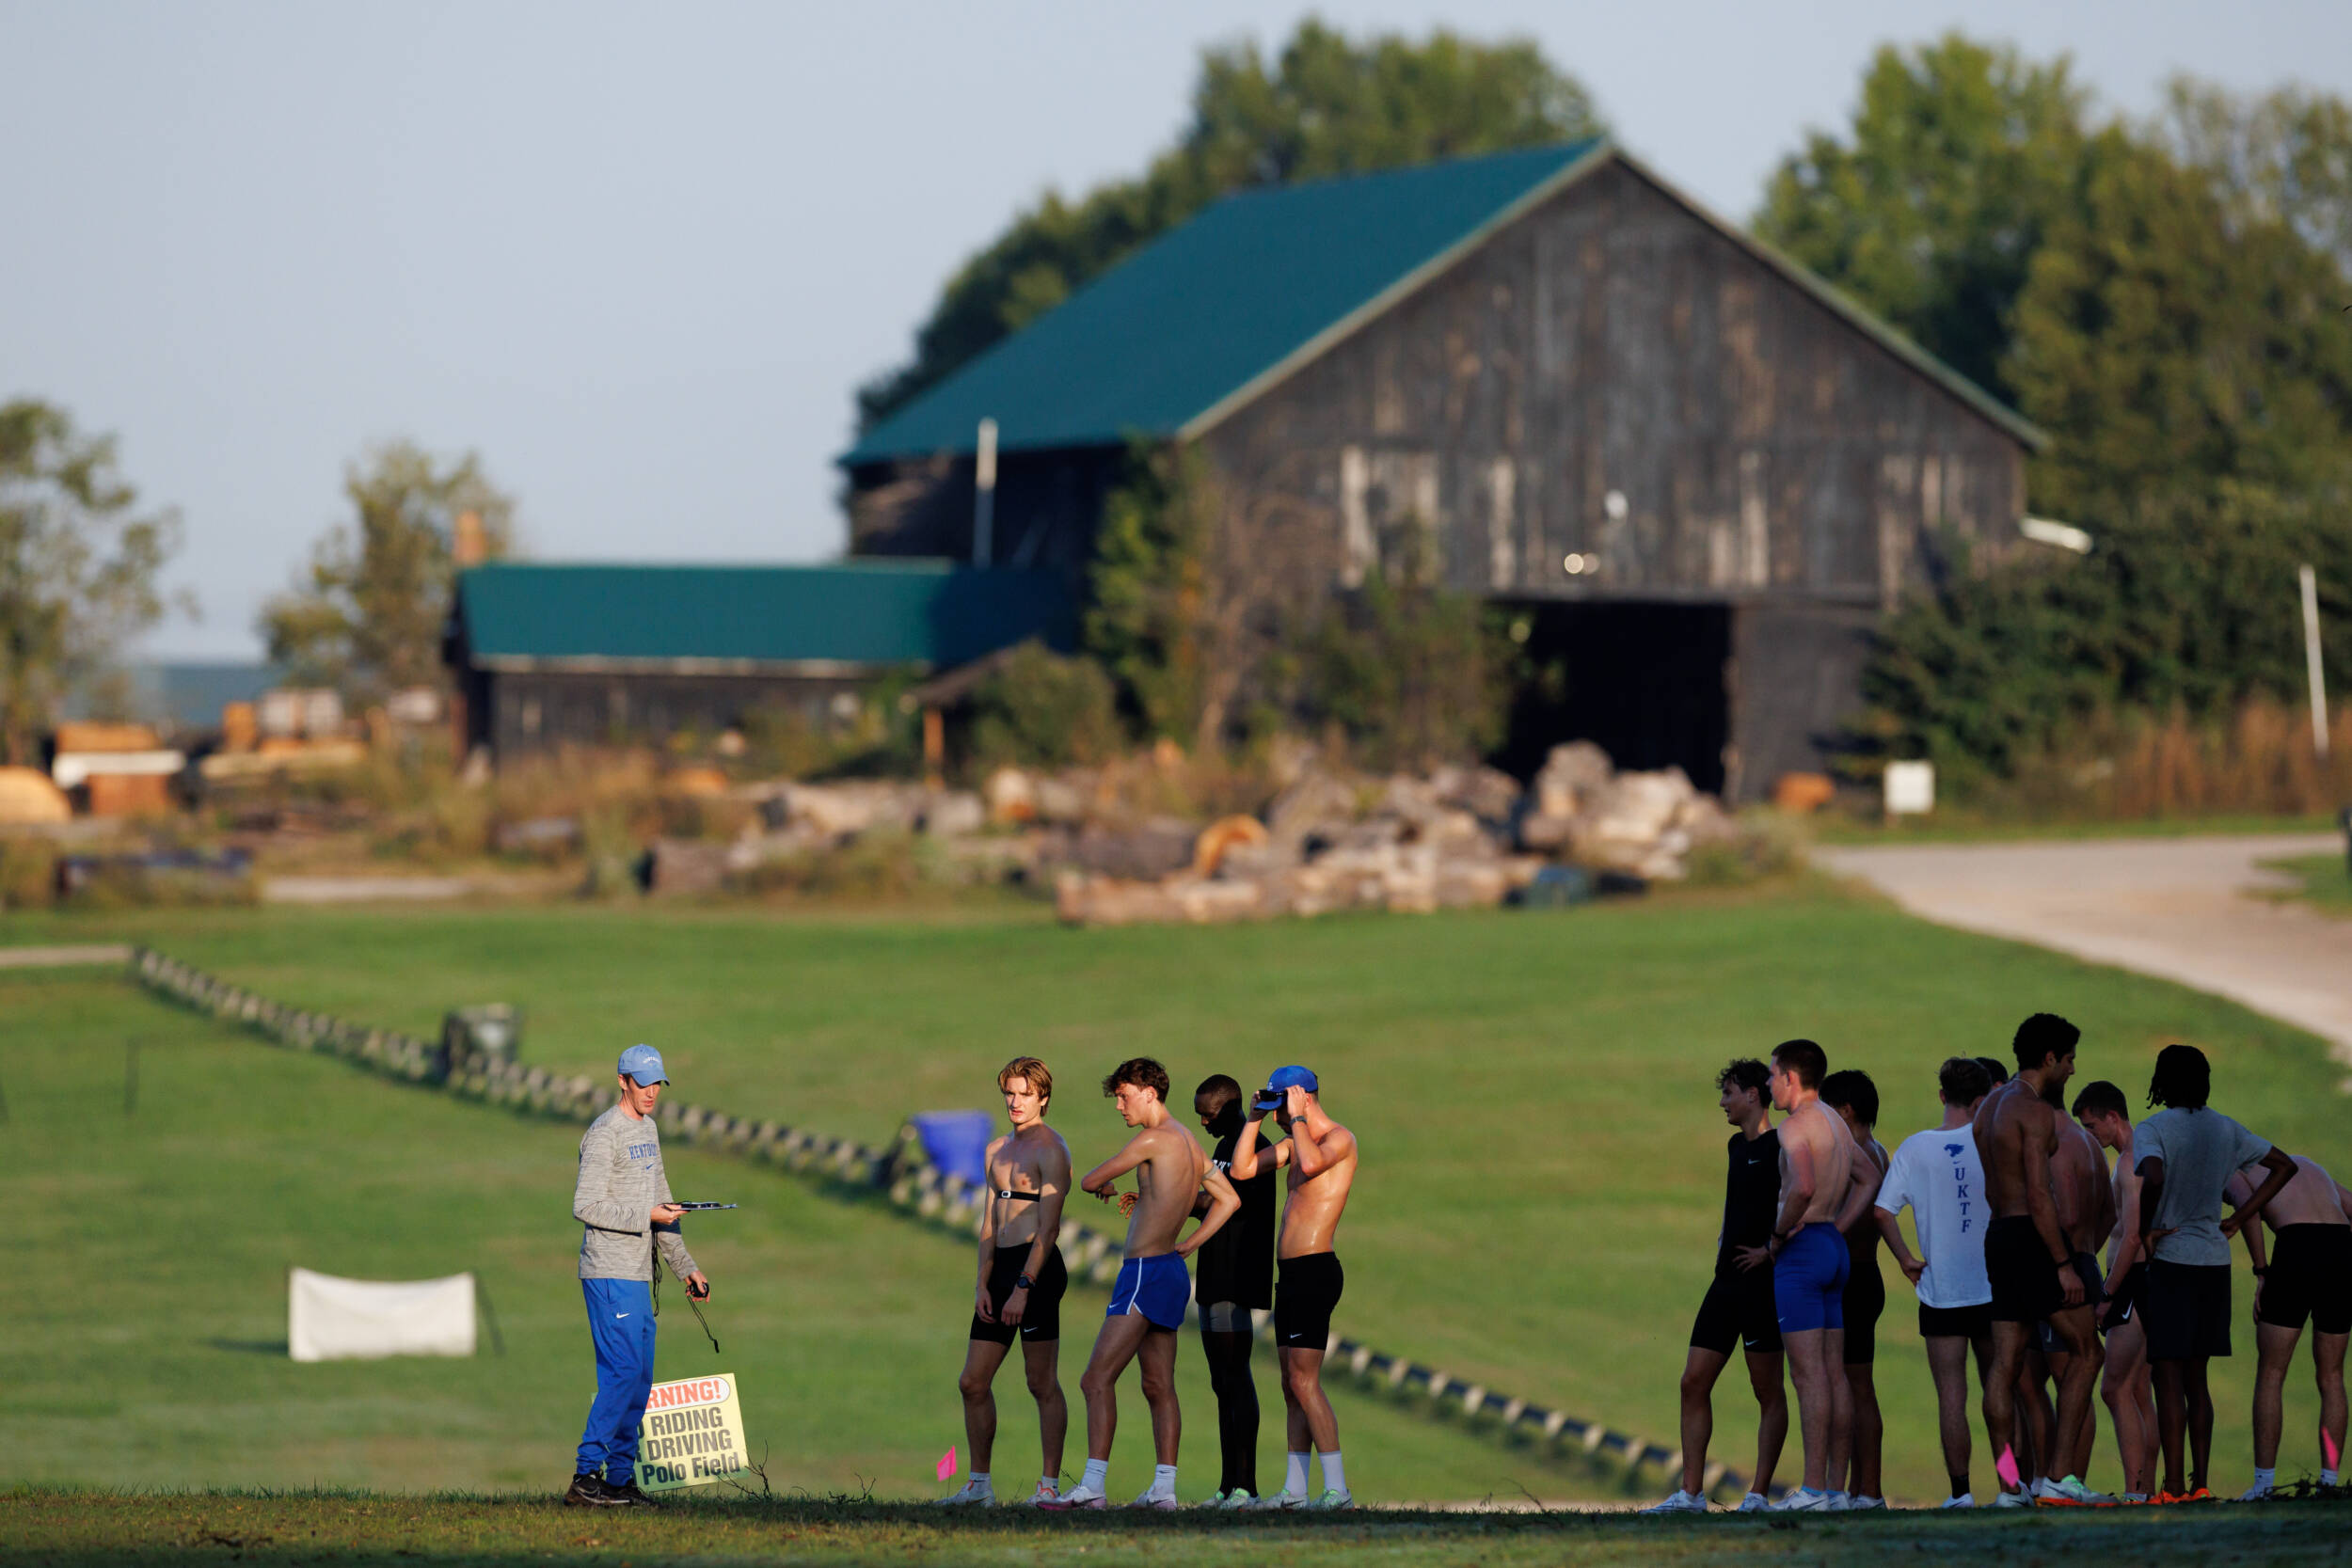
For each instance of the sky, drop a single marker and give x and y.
(639, 257)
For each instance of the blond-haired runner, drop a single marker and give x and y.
(1148, 1300)
(1021, 1280)
(1320, 1155)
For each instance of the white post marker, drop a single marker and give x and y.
(1910, 788)
(984, 495)
(692, 1435)
(2311, 658)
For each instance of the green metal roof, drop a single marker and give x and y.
(1201, 320)
(860, 615)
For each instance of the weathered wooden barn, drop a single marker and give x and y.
(1702, 471)
(547, 655)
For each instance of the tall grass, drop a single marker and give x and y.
(2258, 760)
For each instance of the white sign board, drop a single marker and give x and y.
(357, 1319)
(692, 1435)
(1910, 788)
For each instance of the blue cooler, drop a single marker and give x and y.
(957, 1141)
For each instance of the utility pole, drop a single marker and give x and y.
(2311, 660)
(984, 495)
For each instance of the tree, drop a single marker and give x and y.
(1326, 105)
(77, 566)
(2172, 336)
(1959, 158)
(1409, 671)
(366, 615)
(2283, 156)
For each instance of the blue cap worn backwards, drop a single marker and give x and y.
(642, 1062)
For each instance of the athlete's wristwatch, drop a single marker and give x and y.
(1022, 1281)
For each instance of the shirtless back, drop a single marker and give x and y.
(1815, 1149)
(2311, 1197)
(1170, 1167)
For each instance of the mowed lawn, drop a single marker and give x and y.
(1543, 1162)
(148, 1293)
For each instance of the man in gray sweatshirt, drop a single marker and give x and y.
(623, 1200)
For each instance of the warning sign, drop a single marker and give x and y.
(692, 1435)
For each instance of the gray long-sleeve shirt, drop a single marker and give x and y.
(620, 1180)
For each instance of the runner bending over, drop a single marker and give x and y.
(2309, 1275)
(1148, 1300)
(1021, 1281)
(1320, 1155)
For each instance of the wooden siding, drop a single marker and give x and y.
(519, 713)
(1613, 378)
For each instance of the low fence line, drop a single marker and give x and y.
(923, 1191)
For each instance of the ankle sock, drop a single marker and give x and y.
(979, 1477)
(1098, 1474)
(1294, 1475)
(2327, 1478)
(1163, 1481)
(1334, 1473)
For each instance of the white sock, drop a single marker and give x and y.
(1334, 1473)
(979, 1477)
(2265, 1479)
(1163, 1481)
(1294, 1475)
(1758, 1495)
(2327, 1478)
(1098, 1474)
(1050, 1483)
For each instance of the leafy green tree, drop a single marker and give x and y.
(366, 615)
(1324, 106)
(2283, 156)
(78, 565)
(2170, 336)
(1928, 211)
(1145, 623)
(1040, 708)
(1410, 672)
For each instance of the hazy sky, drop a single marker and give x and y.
(637, 256)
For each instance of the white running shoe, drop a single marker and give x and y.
(2012, 1499)
(1802, 1500)
(1680, 1502)
(1839, 1502)
(1755, 1502)
(2254, 1494)
(1332, 1501)
(1039, 1498)
(1080, 1495)
(1164, 1501)
(1966, 1500)
(974, 1494)
(2070, 1493)
(1238, 1497)
(1865, 1505)
(1280, 1499)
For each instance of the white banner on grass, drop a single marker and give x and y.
(344, 1320)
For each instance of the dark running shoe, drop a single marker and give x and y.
(589, 1490)
(626, 1497)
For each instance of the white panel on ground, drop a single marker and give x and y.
(351, 1319)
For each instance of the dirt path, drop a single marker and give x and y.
(2178, 909)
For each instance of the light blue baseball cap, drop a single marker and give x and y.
(642, 1062)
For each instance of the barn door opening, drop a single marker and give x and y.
(1644, 682)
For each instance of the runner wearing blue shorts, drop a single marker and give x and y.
(1818, 1174)
(1148, 1298)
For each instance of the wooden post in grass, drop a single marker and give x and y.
(2310, 582)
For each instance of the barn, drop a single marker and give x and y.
(1696, 472)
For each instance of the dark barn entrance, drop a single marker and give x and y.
(1643, 681)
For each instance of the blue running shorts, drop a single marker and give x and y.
(1153, 1289)
(1809, 1279)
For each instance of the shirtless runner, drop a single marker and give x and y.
(2086, 1213)
(1021, 1280)
(2123, 1381)
(1856, 1100)
(2307, 1276)
(1320, 1155)
(1148, 1300)
(2029, 1259)
(1818, 1173)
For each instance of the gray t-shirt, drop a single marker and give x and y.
(2200, 1151)
(620, 1180)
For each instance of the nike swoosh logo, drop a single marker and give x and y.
(618, 1315)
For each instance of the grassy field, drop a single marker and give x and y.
(155, 1243)
(1543, 1161)
(2323, 879)
(77, 1529)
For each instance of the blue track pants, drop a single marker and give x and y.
(620, 1321)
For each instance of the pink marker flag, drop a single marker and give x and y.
(2004, 1467)
(947, 1463)
(2327, 1441)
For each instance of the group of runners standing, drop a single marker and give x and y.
(2012, 1200)
(1229, 1189)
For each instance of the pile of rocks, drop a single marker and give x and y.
(1580, 808)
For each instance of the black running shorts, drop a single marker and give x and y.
(1865, 1298)
(2095, 1292)
(2025, 1279)
(1956, 1322)
(2126, 1297)
(1304, 1298)
(2311, 1277)
(2185, 1310)
(1041, 1318)
(1739, 1312)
